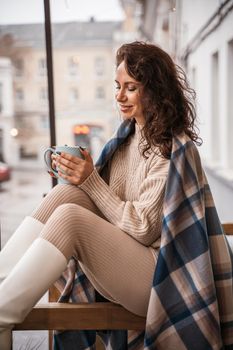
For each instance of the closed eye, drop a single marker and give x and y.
(131, 88)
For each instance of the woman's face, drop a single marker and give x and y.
(128, 95)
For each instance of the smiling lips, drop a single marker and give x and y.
(125, 108)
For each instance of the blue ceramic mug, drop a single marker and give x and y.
(73, 150)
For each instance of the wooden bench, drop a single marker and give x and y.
(82, 316)
(87, 316)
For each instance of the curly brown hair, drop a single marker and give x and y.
(168, 101)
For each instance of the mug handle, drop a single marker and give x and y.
(48, 160)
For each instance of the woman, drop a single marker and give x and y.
(110, 223)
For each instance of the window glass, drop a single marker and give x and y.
(99, 66)
(42, 70)
(24, 126)
(19, 95)
(100, 93)
(73, 95)
(83, 66)
(73, 66)
(43, 94)
(19, 67)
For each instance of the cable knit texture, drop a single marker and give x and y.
(132, 198)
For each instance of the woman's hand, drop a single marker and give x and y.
(73, 169)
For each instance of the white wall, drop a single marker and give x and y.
(194, 15)
(201, 59)
(213, 85)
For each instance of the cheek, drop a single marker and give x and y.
(138, 101)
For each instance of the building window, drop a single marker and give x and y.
(42, 68)
(99, 66)
(73, 95)
(19, 94)
(43, 94)
(19, 67)
(44, 122)
(73, 66)
(100, 93)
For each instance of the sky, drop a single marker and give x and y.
(30, 11)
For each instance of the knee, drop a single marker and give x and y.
(67, 218)
(66, 210)
(65, 193)
(68, 214)
(71, 216)
(60, 189)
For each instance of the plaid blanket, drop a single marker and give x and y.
(191, 302)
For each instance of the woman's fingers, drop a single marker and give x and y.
(53, 162)
(74, 169)
(70, 162)
(75, 180)
(65, 170)
(70, 158)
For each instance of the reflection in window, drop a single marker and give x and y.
(42, 69)
(73, 95)
(19, 67)
(73, 66)
(99, 66)
(19, 94)
(100, 93)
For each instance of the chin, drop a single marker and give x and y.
(125, 116)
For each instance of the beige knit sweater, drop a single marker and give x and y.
(132, 198)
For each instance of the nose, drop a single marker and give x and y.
(120, 95)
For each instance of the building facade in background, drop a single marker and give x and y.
(83, 67)
(7, 144)
(199, 36)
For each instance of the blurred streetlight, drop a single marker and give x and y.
(14, 132)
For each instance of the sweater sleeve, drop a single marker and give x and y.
(141, 219)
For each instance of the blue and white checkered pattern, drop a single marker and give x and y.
(191, 302)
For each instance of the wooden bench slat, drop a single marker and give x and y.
(228, 228)
(63, 316)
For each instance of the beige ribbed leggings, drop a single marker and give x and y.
(119, 267)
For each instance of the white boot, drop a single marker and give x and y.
(37, 270)
(17, 245)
